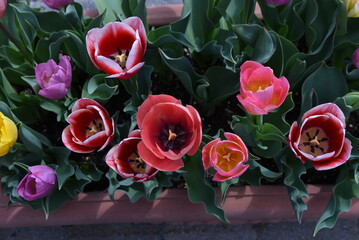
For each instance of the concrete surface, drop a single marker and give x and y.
(344, 229)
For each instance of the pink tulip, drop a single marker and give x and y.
(54, 79)
(260, 91)
(278, 2)
(321, 137)
(227, 157)
(3, 4)
(90, 127)
(57, 4)
(123, 158)
(356, 58)
(118, 47)
(38, 183)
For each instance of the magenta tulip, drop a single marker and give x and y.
(3, 4)
(278, 2)
(54, 79)
(57, 4)
(356, 58)
(38, 183)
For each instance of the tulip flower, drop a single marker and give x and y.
(118, 47)
(321, 137)
(90, 127)
(260, 91)
(352, 7)
(227, 157)
(38, 183)
(124, 159)
(356, 58)
(8, 134)
(169, 130)
(278, 2)
(57, 4)
(3, 4)
(54, 79)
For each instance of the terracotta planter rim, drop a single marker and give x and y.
(244, 204)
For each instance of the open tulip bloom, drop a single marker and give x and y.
(321, 137)
(118, 47)
(90, 129)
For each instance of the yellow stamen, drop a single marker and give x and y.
(227, 157)
(137, 164)
(171, 135)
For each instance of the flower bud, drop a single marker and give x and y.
(8, 134)
(3, 4)
(57, 4)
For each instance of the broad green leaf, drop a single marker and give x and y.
(343, 191)
(64, 169)
(316, 82)
(199, 189)
(294, 168)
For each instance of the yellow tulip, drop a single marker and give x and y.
(352, 7)
(8, 134)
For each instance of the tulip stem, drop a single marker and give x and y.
(259, 120)
(132, 89)
(16, 42)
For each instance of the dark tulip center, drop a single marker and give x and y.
(172, 137)
(120, 58)
(136, 163)
(94, 127)
(314, 141)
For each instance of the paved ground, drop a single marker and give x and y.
(344, 229)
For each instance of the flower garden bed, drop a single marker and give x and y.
(141, 112)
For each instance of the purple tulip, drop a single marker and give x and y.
(3, 4)
(57, 4)
(38, 183)
(356, 58)
(278, 2)
(54, 79)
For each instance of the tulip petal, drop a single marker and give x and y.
(220, 178)
(326, 108)
(129, 73)
(206, 151)
(135, 54)
(164, 164)
(67, 139)
(151, 101)
(337, 161)
(137, 24)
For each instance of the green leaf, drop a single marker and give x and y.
(224, 187)
(323, 76)
(114, 184)
(277, 117)
(294, 168)
(343, 191)
(260, 44)
(32, 143)
(64, 169)
(199, 189)
(122, 9)
(256, 172)
(99, 88)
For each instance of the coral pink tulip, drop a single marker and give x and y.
(227, 157)
(260, 91)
